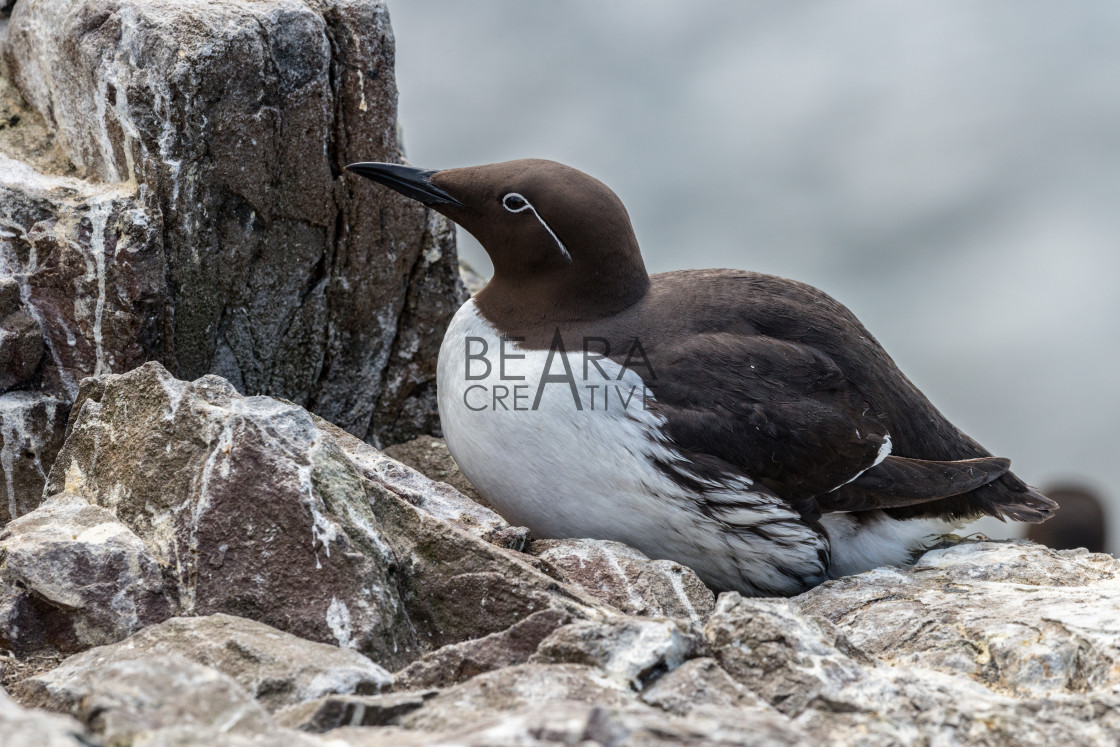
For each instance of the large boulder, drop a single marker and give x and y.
(200, 215)
(257, 509)
(255, 512)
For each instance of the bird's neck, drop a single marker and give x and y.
(516, 303)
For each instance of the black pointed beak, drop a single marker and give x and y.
(408, 180)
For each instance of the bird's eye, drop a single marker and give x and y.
(514, 202)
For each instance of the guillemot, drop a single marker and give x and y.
(742, 424)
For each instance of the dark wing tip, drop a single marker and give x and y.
(1027, 505)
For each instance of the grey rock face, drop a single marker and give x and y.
(626, 579)
(431, 457)
(82, 282)
(335, 711)
(211, 226)
(631, 651)
(123, 699)
(254, 511)
(276, 668)
(1019, 618)
(75, 577)
(27, 728)
(458, 662)
(32, 427)
(225, 503)
(88, 262)
(701, 683)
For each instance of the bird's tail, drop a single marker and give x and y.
(1011, 498)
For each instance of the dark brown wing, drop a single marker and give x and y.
(780, 412)
(786, 416)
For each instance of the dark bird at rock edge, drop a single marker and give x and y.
(741, 424)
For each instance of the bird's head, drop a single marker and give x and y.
(559, 239)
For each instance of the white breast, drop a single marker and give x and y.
(589, 470)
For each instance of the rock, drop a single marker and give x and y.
(90, 267)
(259, 512)
(457, 587)
(24, 135)
(32, 427)
(90, 281)
(335, 711)
(120, 700)
(30, 728)
(701, 683)
(255, 511)
(626, 579)
(75, 577)
(21, 338)
(631, 651)
(569, 723)
(1017, 617)
(457, 662)
(232, 127)
(808, 670)
(276, 668)
(511, 689)
(430, 457)
(564, 705)
(437, 498)
(792, 661)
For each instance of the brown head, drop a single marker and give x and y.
(561, 241)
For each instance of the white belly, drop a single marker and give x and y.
(589, 471)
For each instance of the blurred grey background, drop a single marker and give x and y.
(949, 170)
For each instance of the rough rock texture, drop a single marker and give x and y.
(72, 576)
(335, 711)
(120, 699)
(32, 427)
(253, 506)
(276, 668)
(626, 579)
(258, 510)
(426, 489)
(430, 456)
(90, 269)
(950, 613)
(457, 662)
(769, 672)
(24, 728)
(254, 511)
(631, 651)
(25, 136)
(88, 274)
(177, 194)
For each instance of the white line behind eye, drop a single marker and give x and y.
(529, 206)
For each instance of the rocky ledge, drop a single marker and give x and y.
(209, 568)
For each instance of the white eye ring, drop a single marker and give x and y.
(524, 205)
